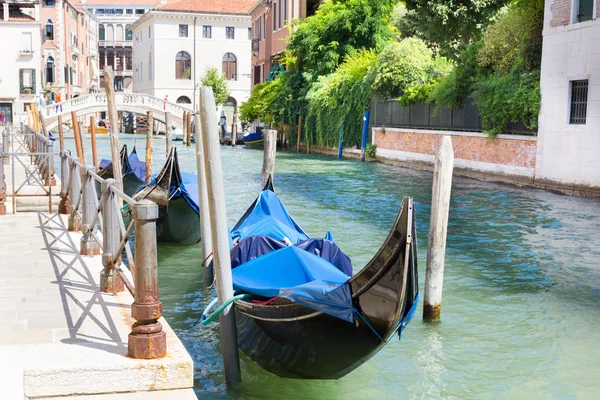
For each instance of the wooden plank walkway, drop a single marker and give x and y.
(60, 336)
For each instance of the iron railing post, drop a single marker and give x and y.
(51, 168)
(147, 338)
(4, 147)
(111, 238)
(74, 195)
(2, 185)
(63, 207)
(88, 246)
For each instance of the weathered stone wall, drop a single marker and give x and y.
(519, 152)
(561, 13)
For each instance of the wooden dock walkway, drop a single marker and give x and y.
(59, 335)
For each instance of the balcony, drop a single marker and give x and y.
(115, 43)
(92, 52)
(75, 50)
(255, 46)
(26, 53)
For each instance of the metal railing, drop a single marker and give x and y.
(99, 216)
(91, 212)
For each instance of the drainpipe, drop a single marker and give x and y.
(194, 92)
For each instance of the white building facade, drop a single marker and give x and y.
(568, 148)
(172, 50)
(20, 75)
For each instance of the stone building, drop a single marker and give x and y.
(174, 44)
(568, 146)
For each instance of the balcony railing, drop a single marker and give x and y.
(75, 50)
(26, 52)
(115, 43)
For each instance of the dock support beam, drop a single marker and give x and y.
(93, 135)
(268, 168)
(168, 139)
(299, 134)
(88, 246)
(147, 338)
(110, 282)
(113, 128)
(64, 205)
(220, 234)
(438, 227)
(74, 192)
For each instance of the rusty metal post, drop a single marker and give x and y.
(111, 238)
(74, 194)
(147, 338)
(64, 206)
(88, 246)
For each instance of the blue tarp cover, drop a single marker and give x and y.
(188, 189)
(269, 218)
(136, 167)
(300, 276)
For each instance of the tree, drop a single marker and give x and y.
(451, 25)
(218, 84)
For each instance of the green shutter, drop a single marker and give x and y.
(21, 87)
(33, 87)
(66, 75)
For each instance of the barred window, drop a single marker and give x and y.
(579, 95)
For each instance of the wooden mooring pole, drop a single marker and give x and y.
(149, 133)
(185, 125)
(61, 135)
(365, 134)
(113, 128)
(438, 226)
(220, 234)
(168, 138)
(205, 231)
(299, 134)
(188, 139)
(77, 137)
(268, 168)
(234, 130)
(94, 148)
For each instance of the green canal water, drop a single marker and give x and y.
(521, 301)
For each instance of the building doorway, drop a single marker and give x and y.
(6, 111)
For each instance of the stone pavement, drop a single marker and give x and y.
(59, 335)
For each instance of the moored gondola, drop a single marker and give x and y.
(133, 170)
(176, 194)
(308, 316)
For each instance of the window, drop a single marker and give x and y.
(27, 81)
(26, 42)
(49, 30)
(249, 33)
(183, 100)
(207, 31)
(66, 74)
(50, 70)
(183, 31)
(150, 66)
(48, 3)
(585, 10)
(100, 11)
(139, 12)
(230, 67)
(129, 11)
(119, 12)
(128, 34)
(183, 66)
(264, 26)
(274, 17)
(149, 32)
(101, 33)
(579, 95)
(229, 32)
(281, 9)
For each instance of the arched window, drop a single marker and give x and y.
(128, 34)
(119, 34)
(110, 33)
(49, 30)
(184, 100)
(50, 70)
(101, 33)
(230, 67)
(183, 66)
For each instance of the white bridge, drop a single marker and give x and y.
(129, 102)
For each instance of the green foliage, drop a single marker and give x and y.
(371, 151)
(339, 27)
(215, 80)
(408, 65)
(340, 98)
(451, 25)
(507, 98)
(401, 20)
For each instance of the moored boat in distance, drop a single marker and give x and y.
(176, 194)
(299, 311)
(254, 140)
(133, 170)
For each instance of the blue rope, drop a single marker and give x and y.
(369, 325)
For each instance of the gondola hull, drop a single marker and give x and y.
(291, 340)
(178, 223)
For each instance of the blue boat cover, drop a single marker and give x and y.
(136, 167)
(188, 189)
(300, 276)
(252, 137)
(269, 218)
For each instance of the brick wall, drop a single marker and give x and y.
(561, 12)
(512, 152)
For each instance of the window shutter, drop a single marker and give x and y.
(21, 87)
(33, 87)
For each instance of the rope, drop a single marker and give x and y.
(207, 257)
(207, 319)
(366, 322)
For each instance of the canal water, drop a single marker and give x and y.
(521, 301)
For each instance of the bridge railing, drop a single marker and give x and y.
(121, 99)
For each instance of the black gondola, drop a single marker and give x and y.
(176, 194)
(293, 340)
(133, 170)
